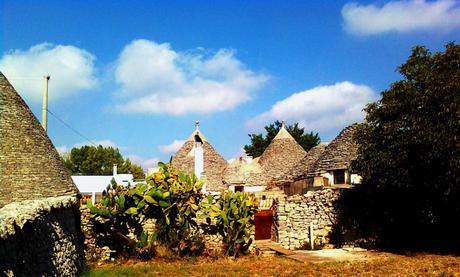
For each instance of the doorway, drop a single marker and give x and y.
(263, 221)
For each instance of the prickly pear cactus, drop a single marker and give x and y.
(169, 197)
(233, 213)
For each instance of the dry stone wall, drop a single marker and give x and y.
(93, 252)
(293, 216)
(41, 238)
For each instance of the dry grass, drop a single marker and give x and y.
(380, 265)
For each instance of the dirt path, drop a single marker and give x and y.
(317, 256)
(333, 255)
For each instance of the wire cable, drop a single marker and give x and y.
(71, 128)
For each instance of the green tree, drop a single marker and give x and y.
(260, 142)
(129, 167)
(92, 160)
(409, 157)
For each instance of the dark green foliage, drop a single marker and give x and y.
(169, 197)
(409, 158)
(259, 142)
(92, 160)
(233, 216)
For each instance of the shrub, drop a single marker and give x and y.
(169, 197)
(233, 214)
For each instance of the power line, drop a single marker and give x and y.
(71, 128)
(24, 77)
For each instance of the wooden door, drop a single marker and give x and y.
(263, 221)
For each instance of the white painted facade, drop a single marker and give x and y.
(349, 178)
(248, 188)
(92, 184)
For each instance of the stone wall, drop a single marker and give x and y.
(41, 238)
(93, 252)
(293, 216)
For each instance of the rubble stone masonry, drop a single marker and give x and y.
(293, 216)
(41, 238)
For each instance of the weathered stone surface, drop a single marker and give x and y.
(39, 218)
(281, 155)
(214, 163)
(30, 166)
(41, 238)
(242, 172)
(92, 251)
(303, 166)
(291, 228)
(338, 154)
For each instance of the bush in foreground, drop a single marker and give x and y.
(172, 200)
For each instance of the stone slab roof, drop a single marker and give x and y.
(281, 155)
(304, 166)
(339, 153)
(214, 164)
(30, 166)
(242, 172)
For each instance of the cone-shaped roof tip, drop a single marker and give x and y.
(283, 132)
(197, 132)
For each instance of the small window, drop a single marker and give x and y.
(239, 188)
(339, 176)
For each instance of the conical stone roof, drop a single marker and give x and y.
(242, 172)
(304, 166)
(213, 165)
(281, 155)
(30, 166)
(339, 153)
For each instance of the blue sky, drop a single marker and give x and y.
(138, 74)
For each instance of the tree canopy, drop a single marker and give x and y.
(409, 157)
(259, 142)
(92, 160)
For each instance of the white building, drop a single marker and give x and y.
(94, 185)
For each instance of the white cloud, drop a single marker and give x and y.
(239, 154)
(145, 163)
(104, 143)
(320, 109)
(71, 70)
(154, 78)
(401, 16)
(62, 149)
(172, 147)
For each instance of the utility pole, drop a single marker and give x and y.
(45, 103)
